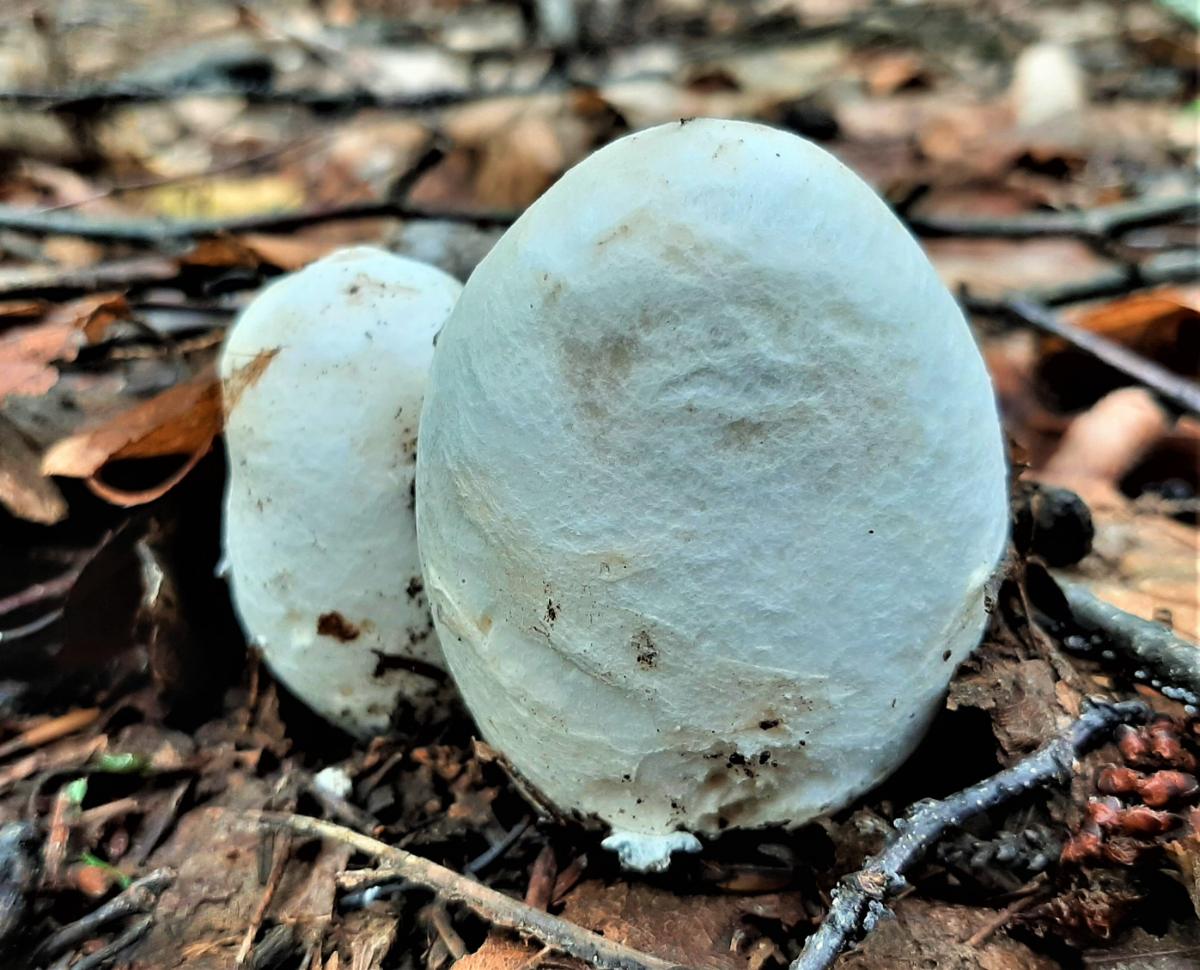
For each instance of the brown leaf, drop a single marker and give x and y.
(180, 421)
(98, 312)
(699, 931)
(288, 252)
(26, 353)
(1019, 694)
(222, 251)
(1163, 326)
(929, 934)
(24, 491)
(1154, 323)
(1185, 853)
(1109, 439)
(892, 70)
(501, 953)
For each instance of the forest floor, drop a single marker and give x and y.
(159, 162)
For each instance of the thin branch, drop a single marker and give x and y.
(110, 951)
(107, 96)
(40, 592)
(138, 897)
(858, 902)
(1170, 659)
(1168, 267)
(1028, 894)
(1100, 223)
(114, 273)
(1178, 391)
(156, 232)
(491, 854)
(491, 905)
(51, 730)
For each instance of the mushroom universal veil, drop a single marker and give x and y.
(710, 486)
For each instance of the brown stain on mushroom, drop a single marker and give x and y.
(363, 287)
(595, 369)
(645, 652)
(333, 624)
(244, 378)
(744, 433)
(622, 231)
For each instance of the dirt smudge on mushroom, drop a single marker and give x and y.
(333, 624)
(645, 651)
(242, 379)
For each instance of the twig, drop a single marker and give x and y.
(40, 592)
(1170, 658)
(156, 824)
(162, 181)
(58, 836)
(138, 897)
(107, 96)
(110, 951)
(282, 853)
(1028, 895)
(115, 273)
(446, 932)
(1100, 223)
(157, 232)
(858, 901)
(1178, 391)
(52, 730)
(1168, 267)
(43, 622)
(491, 905)
(491, 854)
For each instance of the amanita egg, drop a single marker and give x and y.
(710, 487)
(323, 376)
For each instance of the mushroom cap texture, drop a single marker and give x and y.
(323, 376)
(710, 485)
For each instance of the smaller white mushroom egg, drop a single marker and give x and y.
(323, 377)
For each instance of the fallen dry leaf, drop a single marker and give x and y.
(1144, 563)
(24, 490)
(27, 353)
(501, 953)
(1163, 326)
(698, 931)
(1105, 442)
(931, 934)
(289, 253)
(180, 421)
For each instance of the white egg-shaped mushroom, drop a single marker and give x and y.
(711, 485)
(323, 376)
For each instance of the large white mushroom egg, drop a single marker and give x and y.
(710, 488)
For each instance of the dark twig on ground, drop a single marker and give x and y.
(1100, 223)
(1175, 390)
(858, 902)
(115, 273)
(491, 854)
(493, 906)
(1168, 267)
(110, 951)
(51, 589)
(1168, 658)
(158, 232)
(138, 897)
